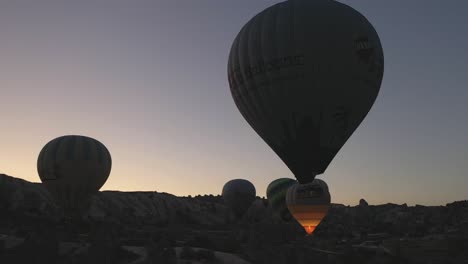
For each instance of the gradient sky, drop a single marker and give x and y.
(148, 79)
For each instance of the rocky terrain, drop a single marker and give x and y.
(153, 227)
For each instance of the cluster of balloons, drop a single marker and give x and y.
(304, 74)
(307, 203)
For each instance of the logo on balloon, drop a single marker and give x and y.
(364, 49)
(238, 76)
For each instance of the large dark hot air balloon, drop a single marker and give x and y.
(238, 195)
(73, 168)
(304, 74)
(308, 203)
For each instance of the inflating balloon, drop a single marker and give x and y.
(276, 194)
(309, 203)
(304, 74)
(73, 168)
(238, 195)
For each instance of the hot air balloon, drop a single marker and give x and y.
(238, 195)
(309, 203)
(304, 74)
(276, 194)
(72, 168)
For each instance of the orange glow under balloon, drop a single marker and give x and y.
(309, 216)
(309, 229)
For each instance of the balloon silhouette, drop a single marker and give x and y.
(73, 168)
(276, 194)
(238, 195)
(309, 203)
(304, 74)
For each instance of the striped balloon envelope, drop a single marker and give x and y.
(73, 168)
(309, 203)
(304, 74)
(276, 194)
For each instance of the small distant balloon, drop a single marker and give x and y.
(276, 194)
(238, 195)
(73, 168)
(309, 203)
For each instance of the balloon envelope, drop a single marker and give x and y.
(73, 168)
(304, 74)
(276, 194)
(309, 203)
(238, 195)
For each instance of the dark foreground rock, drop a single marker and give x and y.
(153, 227)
